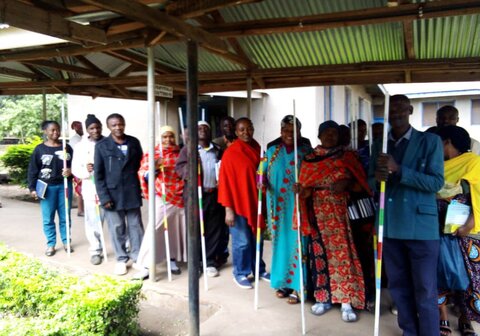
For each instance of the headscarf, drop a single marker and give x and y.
(165, 129)
(203, 123)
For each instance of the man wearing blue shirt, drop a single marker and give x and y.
(413, 171)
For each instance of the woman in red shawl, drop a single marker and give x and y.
(237, 192)
(325, 177)
(172, 206)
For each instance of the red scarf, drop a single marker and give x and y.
(237, 187)
(173, 182)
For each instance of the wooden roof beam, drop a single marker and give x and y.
(89, 64)
(161, 21)
(17, 73)
(70, 50)
(367, 69)
(66, 67)
(379, 15)
(218, 18)
(133, 58)
(40, 74)
(21, 15)
(188, 9)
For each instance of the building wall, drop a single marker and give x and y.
(135, 113)
(309, 105)
(462, 103)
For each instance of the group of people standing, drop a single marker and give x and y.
(337, 188)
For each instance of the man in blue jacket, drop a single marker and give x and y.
(117, 160)
(413, 171)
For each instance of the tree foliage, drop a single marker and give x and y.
(17, 158)
(21, 116)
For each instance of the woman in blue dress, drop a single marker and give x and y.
(279, 168)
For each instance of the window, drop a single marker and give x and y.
(475, 117)
(429, 112)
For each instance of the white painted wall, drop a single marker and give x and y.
(135, 113)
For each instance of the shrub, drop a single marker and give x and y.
(17, 158)
(38, 300)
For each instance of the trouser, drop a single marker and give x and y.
(214, 224)
(123, 225)
(54, 202)
(244, 248)
(93, 226)
(411, 267)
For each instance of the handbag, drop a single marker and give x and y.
(451, 270)
(361, 208)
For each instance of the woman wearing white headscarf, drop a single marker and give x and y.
(172, 205)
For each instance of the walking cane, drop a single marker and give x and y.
(65, 182)
(297, 207)
(381, 208)
(164, 200)
(259, 211)
(202, 227)
(99, 222)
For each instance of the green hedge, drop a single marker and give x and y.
(38, 300)
(17, 158)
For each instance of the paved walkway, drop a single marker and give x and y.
(225, 308)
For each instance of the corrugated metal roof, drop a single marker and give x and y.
(334, 46)
(175, 55)
(447, 37)
(269, 9)
(365, 36)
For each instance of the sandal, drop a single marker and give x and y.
(283, 293)
(466, 328)
(348, 315)
(320, 308)
(445, 329)
(293, 298)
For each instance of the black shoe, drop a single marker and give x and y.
(176, 271)
(65, 247)
(96, 259)
(50, 251)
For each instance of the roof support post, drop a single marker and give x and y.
(249, 97)
(192, 200)
(151, 158)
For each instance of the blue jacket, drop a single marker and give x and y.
(116, 176)
(410, 202)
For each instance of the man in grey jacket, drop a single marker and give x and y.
(117, 160)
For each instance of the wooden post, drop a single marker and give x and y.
(192, 200)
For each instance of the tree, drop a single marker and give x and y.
(21, 116)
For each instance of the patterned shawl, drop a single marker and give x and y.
(323, 163)
(173, 182)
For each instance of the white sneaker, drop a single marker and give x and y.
(137, 267)
(141, 275)
(212, 272)
(120, 268)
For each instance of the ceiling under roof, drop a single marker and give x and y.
(275, 43)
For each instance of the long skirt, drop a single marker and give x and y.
(176, 234)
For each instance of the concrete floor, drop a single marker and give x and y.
(225, 308)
